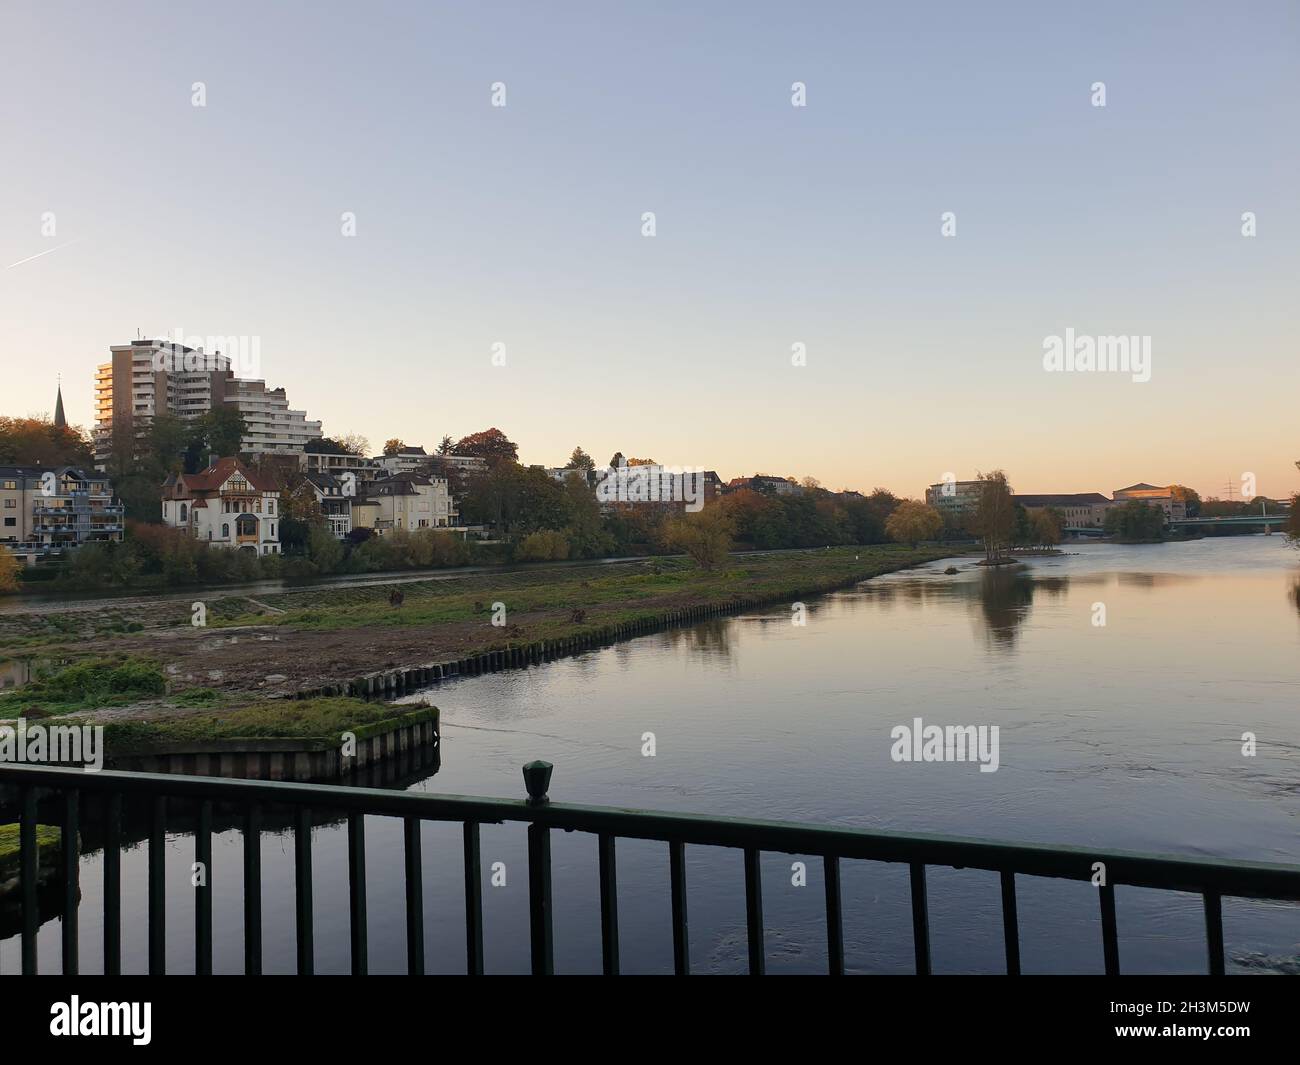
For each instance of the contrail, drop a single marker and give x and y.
(40, 253)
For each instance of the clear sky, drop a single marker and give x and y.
(775, 225)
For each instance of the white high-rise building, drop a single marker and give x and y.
(147, 377)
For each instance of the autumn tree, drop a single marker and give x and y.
(393, 446)
(913, 521)
(704, 535)
(492, 445)
(8, 571)
(995, 514)
(1046, 524)
(39, 442)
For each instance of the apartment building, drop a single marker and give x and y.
(227, 505)
(407, 460)
(954, 497)
(361, 469)
(149, 377)
(765, 483)
(412, 501)
(46, 510)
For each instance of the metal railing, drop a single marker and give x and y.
(62, 790)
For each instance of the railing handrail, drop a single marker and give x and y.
(1239, 879)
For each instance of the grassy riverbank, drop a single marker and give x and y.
(305, 639)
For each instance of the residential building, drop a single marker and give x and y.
(1153, 495)
(335, 501)
(1086, 509)
(406, 460)
(955, 498)
(765, 483)
(46, 510)
(412, 501)
(146, 378)
(649, 483)
(227, 505)
(362, 469)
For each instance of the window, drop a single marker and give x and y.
(11, 486)
(225, 530)
(11, 504)
(10, 522)
(184, 513)
(270, 506)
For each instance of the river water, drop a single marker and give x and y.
(1127, 735)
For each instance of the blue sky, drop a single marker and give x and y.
(775, 225)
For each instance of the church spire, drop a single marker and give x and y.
(59, 420)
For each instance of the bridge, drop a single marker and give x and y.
(1269, 521)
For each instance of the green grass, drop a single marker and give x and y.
(609, 595)
(46, 836)
(85, 685)
(322, 719)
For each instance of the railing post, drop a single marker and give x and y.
(158, 888)
(71, 882)
(537, 778)
(29, 855)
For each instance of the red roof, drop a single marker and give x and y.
(211, 479)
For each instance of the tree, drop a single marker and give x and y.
(223, 430)
(913, 521)
(1188, 497)
(1135, 520)
(580, 460)
(1046, 524)
(445, 446)
(8, 571)
(704, 535)
(351, 444)
(39, 442)
(994, 518)
(393, 446)
(491, 445)
(584, 526)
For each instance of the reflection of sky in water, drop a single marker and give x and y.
(1127, 737)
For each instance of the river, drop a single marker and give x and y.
(1123, 735)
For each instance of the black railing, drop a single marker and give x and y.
(61, 792)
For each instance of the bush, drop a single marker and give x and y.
(541, 546)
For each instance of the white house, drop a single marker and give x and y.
(411, 501)
(335, 498)
(227, 505)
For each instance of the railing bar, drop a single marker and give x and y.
(1010, 922)
(71, 847)
(1214, 931)
(113, 887)
(920, 920)
(681, 936)
(1109, 937)
(357, 892)
(473, 902)
(608, 905)
(414, 898)
(203, 891)
(1235, 878)
(302, 890)
(30, 858)
(539, 900)
(754, 911)
(834, 917)
(158, 887)
(253, 891)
